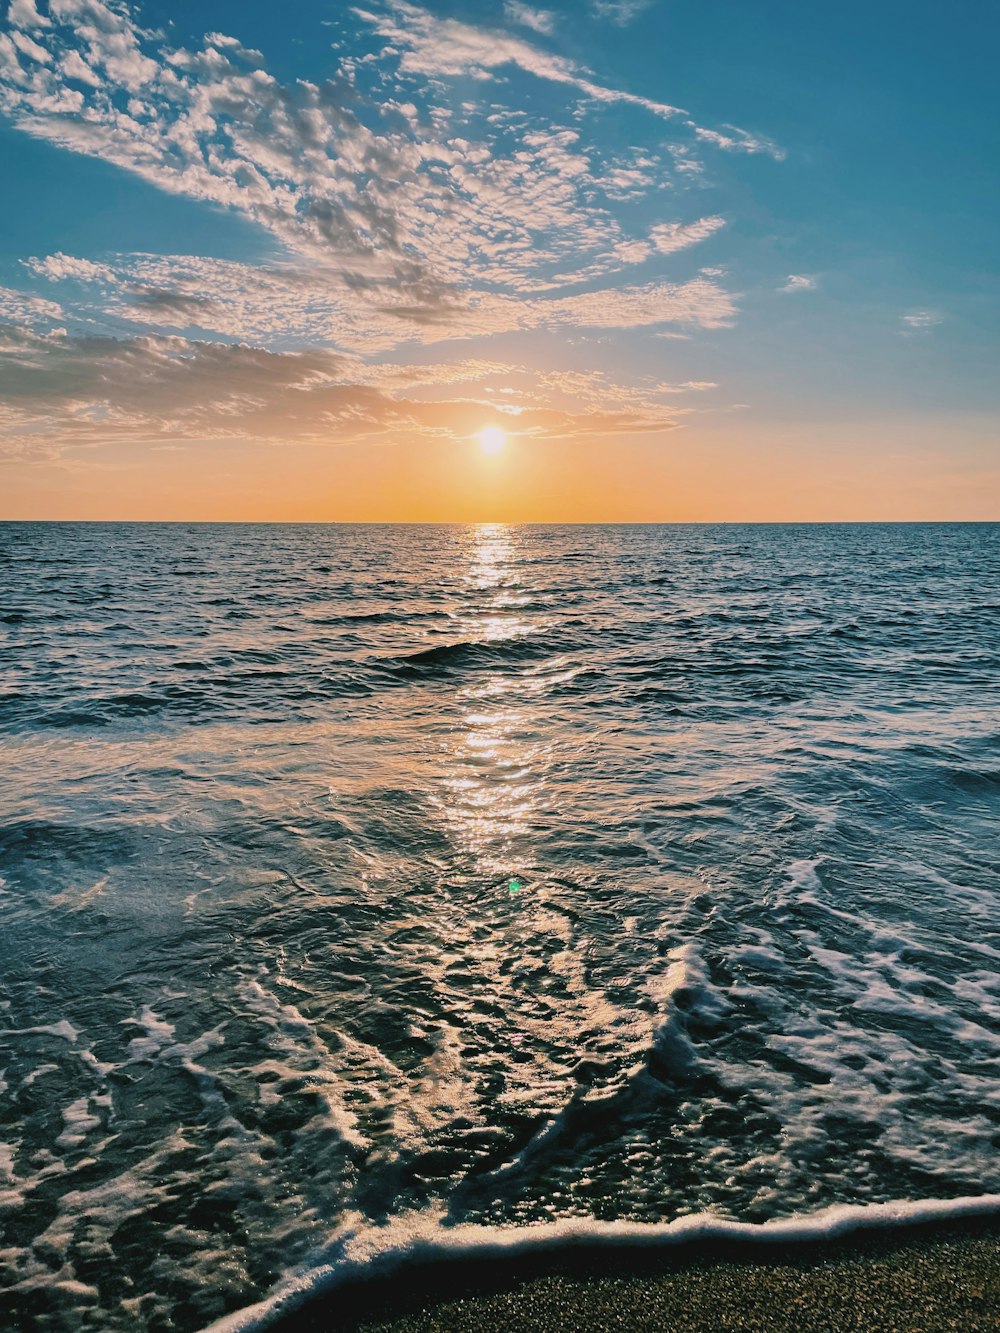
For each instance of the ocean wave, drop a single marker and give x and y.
(468, 654)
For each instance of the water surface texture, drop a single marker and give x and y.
(494, 874)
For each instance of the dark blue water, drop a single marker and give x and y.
(482, 874)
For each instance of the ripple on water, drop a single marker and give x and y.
(495, 875)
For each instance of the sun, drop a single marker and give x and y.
(492, 439)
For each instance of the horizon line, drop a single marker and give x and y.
(510, 523)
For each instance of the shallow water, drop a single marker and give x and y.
(492, 874)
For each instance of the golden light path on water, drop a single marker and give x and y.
(493, 782)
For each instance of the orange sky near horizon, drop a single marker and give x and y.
(740, 472)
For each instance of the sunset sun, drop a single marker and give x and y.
(492, 439)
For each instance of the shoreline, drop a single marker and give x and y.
(930, 1279)
(915, 1276)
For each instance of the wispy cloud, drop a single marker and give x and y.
(287, 303)
(64, 393)
(799, 282)
(438, 47)
(619, 11)
(670, 236)
(539, 20)
(664, 239)
(735, 140)
(919, 321)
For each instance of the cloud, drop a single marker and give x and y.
(165, 306)
(619, 12)
(64, 393)
(74, 67)
(699, 303)
(447, 47)
(799, 282)
(670, 236)
(289, 303)
(665, 238)
(738, 141)
(30, 48)
(23, 308)
(59, 266)
(689, 386)
(212, 126)
(402, 210)
(24, 14)
(412, 215)
(919, 321)
(539, 20)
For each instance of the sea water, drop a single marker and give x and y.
(461, 879)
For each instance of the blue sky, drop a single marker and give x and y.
(673, 222)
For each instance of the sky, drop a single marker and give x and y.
(697, 260)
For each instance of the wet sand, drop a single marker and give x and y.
(914, 1280)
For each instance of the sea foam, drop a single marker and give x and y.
(409, 1244)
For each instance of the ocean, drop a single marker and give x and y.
(368, 882)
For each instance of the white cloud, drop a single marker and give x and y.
(738, 141)
(670, 236)
(447, 47)
(111, 38)
(24, 14)
(698, 303)
(689, 386)
(919, 321)
(23, 308)
(619, 11)
(59, 266)
(799, 282)
(30, 48)
(293, 303)
(281, 303)
(410, 227)
(10, 66)
(539, 20)
(76, 68)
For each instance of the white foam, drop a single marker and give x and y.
(765, 959)
(300, 1051)
(38, 1072)
(410, 1242)
(64, 1029)
(79, 1120)
(158, 1034)
(7, 1153)
(882, 998)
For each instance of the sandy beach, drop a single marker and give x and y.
(921, 1280)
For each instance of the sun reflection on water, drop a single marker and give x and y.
(495, 757)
